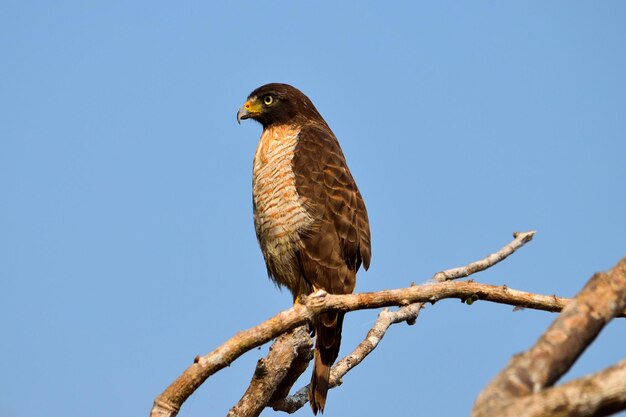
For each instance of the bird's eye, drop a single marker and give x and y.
(268, 100)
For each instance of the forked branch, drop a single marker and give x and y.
(169, 402)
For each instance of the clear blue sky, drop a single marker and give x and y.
(126, 237)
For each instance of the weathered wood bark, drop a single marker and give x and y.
(600, 394)
(272, 370)
(602, 298)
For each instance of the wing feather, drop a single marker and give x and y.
(338, 242)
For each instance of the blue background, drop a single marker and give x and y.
(126, 237)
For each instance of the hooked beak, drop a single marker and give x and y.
(250, 108)
(243, 113)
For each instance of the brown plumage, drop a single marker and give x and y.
(309, 215)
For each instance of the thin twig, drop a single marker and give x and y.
(520, 239)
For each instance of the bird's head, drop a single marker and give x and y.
(277, 104)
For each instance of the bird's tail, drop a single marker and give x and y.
(327, 340)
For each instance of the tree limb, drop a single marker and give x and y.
(271, 371)
(297, 368)
(600, 394)
(169, 402)
(386, 318)
(602, 298)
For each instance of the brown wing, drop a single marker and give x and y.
(339, 240)
(335, 245)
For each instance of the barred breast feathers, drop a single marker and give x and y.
(280, 213)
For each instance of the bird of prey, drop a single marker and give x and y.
(309, 216)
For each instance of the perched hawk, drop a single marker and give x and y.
(309, 216)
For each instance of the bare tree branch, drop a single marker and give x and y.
(271, 371)
(169, 402)
(385, 319)
(407, 313)
(520, 239)
(600, 394)
(297, 368)
(602, 298)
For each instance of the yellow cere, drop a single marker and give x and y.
(253, 106)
